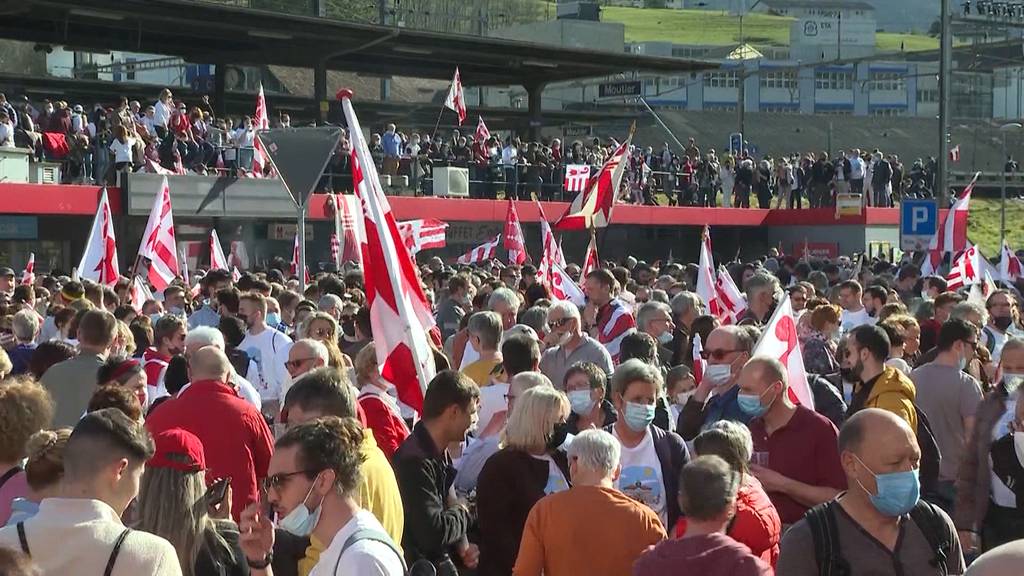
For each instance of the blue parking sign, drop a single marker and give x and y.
(919, 222)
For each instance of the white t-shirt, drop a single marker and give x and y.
(364, 557)
(856, 168)
(269, 350)
(850, 320)
(1001, 493)
(122, 150)
(556, 480)
(641, 477)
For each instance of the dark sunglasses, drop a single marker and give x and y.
(716, 354)
(276, 481)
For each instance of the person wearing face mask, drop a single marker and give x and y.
(356, 331)
(567, 344)
(651, 457)
(727, 349)
(880, 522)
(529, 466)
(988, 512)
(312, 488)
(680, 386)
(265, 346)
(585, 384)
(436, 522)
(81, 532)
(950, 397)
(799, 465)
(168, 341)
(655, 318)
(1000, 322)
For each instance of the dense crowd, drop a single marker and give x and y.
(246, 428)
(172, 135)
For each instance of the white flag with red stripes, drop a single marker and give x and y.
(698, 359)
(1009, 264)
(780, 341)
(99, 260)
(29, 275)
(158, 244)
(235, 274)
(576, 177)
(552, 252)
(456, 99)
(260, 121)
(514, 240)
(952, 235)
(965, 270)
(732, 301)
(564, 288)
(139, 293)
(296, 258)
(590, 261)
(954, 154)
(350, 227)
(481, 137)
(423, 234)
(399, 314)
(592, 208)
(706, 288)
(218, 261)
(482, 253)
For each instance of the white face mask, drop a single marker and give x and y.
(683, 397)
(718, 373)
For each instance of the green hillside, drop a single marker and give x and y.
(983, 224)
(720, 28)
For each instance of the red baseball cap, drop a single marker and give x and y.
(178, 449)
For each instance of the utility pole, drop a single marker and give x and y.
(941, 191)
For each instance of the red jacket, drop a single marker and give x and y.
(154, 363)
(235, 438)
(756, 523)
(389, 429)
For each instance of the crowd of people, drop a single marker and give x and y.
(248, 429)
(96, 143)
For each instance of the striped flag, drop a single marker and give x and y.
(707, 289)
(563, 287)
(29, 276)
(260, 121)
(590, 261)
(731, 299)
(158, 244)
(965, 270)
(139, 293)
(952, 236)
(218, 261)
(552, 252)
(698, 359)
(576, 177)
(400, 317)
(456, 99)
(99, 260)
(423, 234)
(481, 137)
(513, 237)
(335, 249)
(296, 257)
(592, 208)
(618, 324)
(954, 154)
(481, 253)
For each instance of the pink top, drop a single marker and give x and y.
(15, 487)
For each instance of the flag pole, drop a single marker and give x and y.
(437, 124)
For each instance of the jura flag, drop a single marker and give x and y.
(218, 261)
(158, 245)
(780, 341)
(965, 270)
(698, 359)
(576, 177)
(1009, 265)
(592, 208)
(400, 317)
(481, 137)
(456, 100)
(563, 288)
(707, 289)
(481, 253)
(952, 235)
(29, 276)
(513, 237)
(260, 121)
(730, 298)
(552, 252)
(424, 234)
(296, 257)
(590, 260)
(99, 261)
(140, 293)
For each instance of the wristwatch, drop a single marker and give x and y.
(261, 564)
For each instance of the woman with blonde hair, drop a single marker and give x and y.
(44, 469)
(383, 415)
(25, 408)
(323, 328)
(173, 503)
(528, 467)
(819, 349)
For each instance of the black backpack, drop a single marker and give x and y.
(928, 470)
(828, 552)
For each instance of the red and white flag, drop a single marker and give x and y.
(698, 359)
(235, 274)
(552, 252)
(296, 257)
(965, 270)
(260, 121)
(218, 261)
(140, 293)
(158, 245)
(350, 228)
(29, 275)
(954, 153)
(155, 168)
(99, 260)
(399, 314)
(732, 301)
(513, 237)
(482, 253)
(1009, 265)
(706, 288)
(563, 287)
(481, 137)
(592, 208)
(952, 236)
(590, 261)
(423, 234)
(780, 341)
(576, 177)
(456, 99)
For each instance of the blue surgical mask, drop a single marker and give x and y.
(638, 416)
(898, 492)
(300, 521)
(665, 337)
(580, 402)
(961, 363)
(750, 404)
(1012, 381)
(273, 319)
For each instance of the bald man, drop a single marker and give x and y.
(882, 508)
(237, 442)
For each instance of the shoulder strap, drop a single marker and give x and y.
(117, 550)
(935, 530)
(990, 338)
(827, 552)
(9, 474)
(22, 539)
(374, 535)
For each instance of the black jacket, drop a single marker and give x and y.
(425, 475)
(673, 455)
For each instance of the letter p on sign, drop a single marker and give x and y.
(918, 216)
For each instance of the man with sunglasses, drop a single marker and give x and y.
(567, 344)
(728, 348)
(304, 356)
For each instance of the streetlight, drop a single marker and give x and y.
(1009, 127)
(742, 100)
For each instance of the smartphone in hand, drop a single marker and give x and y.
(215, 493)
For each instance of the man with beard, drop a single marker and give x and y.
(875, 384)
(265, 346)
(874, 298)
(854, 313)
(567, 344)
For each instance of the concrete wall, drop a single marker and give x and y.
(607, 36)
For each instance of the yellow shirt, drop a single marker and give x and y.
(480, 371)
(378, 493)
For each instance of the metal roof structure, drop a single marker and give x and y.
(203, 32)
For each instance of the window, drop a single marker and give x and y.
(129, 67)
(834, 111)
(833, 80)
(780, 108)
(720, 107)
(785, 79)
(927, 95)
(888, 111)
(721, 79)
(888, 81)
(687, 52)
